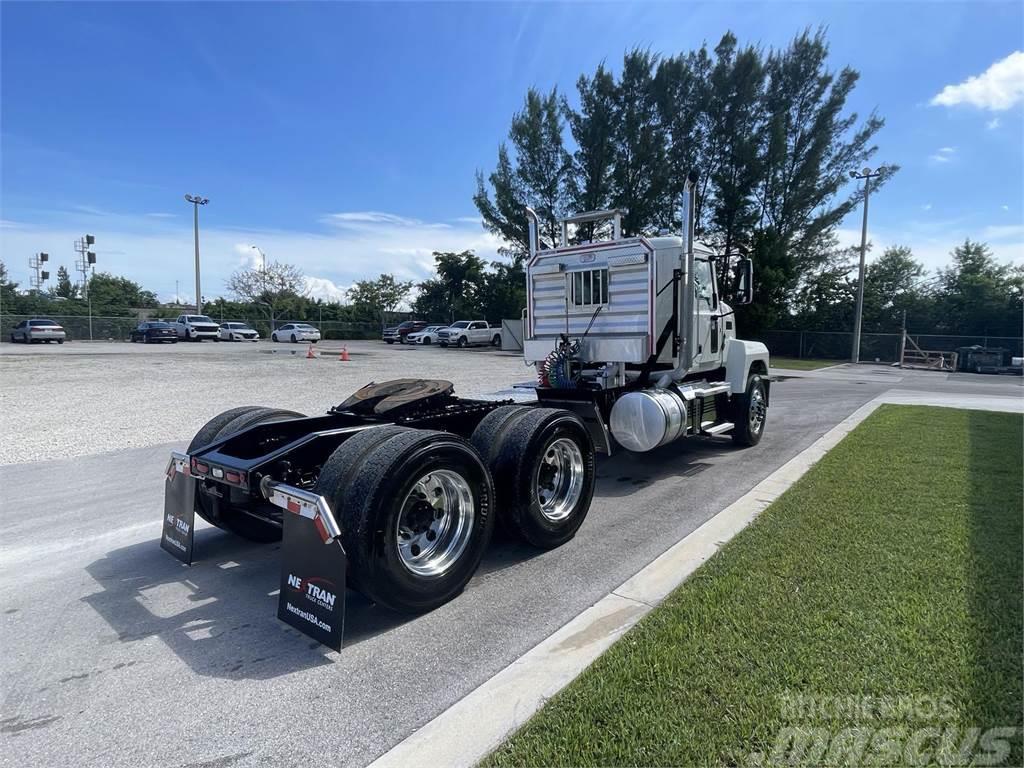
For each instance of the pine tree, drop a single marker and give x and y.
(65, 288)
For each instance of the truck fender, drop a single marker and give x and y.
(743, 358)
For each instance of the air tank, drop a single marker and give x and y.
(641, 421)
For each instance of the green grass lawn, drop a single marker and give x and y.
(872, 613)
(798, 364)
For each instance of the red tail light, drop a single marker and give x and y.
(200, 468)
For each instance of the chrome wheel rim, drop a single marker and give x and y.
(436, 523)
(758, 410)
(560, 479)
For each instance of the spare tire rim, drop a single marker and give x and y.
(758, 410)
(436, 523)
(560, 479)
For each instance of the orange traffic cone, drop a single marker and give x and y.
(344, 355)
(309, 353)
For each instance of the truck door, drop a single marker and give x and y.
(709, 334)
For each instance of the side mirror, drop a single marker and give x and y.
(744, 281)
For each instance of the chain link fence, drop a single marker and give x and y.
(881, 347)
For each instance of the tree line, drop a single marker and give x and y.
(768, 132)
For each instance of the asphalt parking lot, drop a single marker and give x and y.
(116, 654)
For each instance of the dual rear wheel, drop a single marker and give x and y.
(417, 507)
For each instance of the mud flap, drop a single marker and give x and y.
(312, 598)
(179, 509)
(313, 564)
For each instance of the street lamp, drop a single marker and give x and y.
(196, 201)
(867, 174)
(262, 256)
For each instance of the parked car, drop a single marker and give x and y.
(238, 332)
(427, 336)
(196, 328)
(402, 330)
(296, 332)
(152, 332)
(467, 332)
(31, 331)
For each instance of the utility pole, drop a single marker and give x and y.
(86, 263)
(196, 201)
(867, 174)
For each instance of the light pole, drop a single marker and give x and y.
(867, 174)
(263, 256)
(196, 201)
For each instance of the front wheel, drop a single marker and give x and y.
(496, 341)
(188, 335)
(750, 412)
(294, 340)
(60, 341)
(426, 340)
(462, 342)
(417, 513)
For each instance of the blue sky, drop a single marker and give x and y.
(345, 137)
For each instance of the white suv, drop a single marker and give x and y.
(296, 332)
(196, 328)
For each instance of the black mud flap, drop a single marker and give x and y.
(312, 595)
(179, 510)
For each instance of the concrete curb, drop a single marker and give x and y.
(471, 728)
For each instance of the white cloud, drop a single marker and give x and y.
(156, 252)
(322, 288)
(926, 207)
(998, 88)
(992, 124)
(1006, 207)
(943, 155)
(932, 241)
(162, 215)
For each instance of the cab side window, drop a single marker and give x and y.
(704, 284)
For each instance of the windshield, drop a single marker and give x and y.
(460, 324)
(198, 319)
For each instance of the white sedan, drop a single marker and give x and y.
(427, 336)
(237, 332)
(295, 332)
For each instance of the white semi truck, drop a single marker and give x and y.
(396, 491)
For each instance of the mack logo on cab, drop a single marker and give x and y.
(318, 591)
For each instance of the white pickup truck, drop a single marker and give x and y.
(196, 328)
(466, 332)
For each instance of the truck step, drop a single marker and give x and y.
(709, 428)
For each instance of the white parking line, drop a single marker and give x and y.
(471, 728)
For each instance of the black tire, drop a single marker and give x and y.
(12, 339)
(368, 478)
(273, 337)
(401, 340)
(426, 340)
(515, 440)
(462, 342)
(224, 515)
(217, 337)
(748, 429)
(389, 341)
(294, 340)
(496, 340)
(60, 341)
(444, 344)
